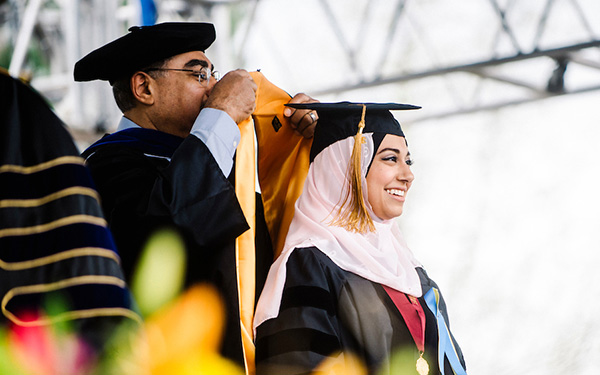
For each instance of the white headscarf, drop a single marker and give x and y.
(381, 256)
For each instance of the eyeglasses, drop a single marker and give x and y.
(203, 74)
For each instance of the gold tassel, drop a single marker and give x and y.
(352, 214)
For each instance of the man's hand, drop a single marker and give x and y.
(235, 94)
(302, 120)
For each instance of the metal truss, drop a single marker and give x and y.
(506, 70)
(554, 85)
(500, 76)
(494, 67)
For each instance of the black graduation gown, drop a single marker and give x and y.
(150, 180)
(53, 237)
(326, 310)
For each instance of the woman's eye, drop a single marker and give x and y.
(391, 158)
(409, 162)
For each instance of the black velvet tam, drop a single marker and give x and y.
(141, 47)
(340, 120)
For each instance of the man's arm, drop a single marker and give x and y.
(217, 130)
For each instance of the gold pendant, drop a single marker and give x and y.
(422, 366)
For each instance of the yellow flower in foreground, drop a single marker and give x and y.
(342, 364)
(182, 331)
(183, 337)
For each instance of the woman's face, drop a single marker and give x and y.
(389, 177)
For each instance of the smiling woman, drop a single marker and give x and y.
(346, 282)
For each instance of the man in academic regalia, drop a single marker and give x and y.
(171, 161)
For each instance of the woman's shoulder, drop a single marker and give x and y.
(426, 282)
(310, 253)
(311, 256)
(309, 265)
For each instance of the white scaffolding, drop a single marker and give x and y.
(68, 29)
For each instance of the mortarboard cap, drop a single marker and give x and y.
(341, 120)
(141, 47)
(338, 121)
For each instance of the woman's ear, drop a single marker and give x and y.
(141, 88)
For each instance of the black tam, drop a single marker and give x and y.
(340, 120)
(143, 46)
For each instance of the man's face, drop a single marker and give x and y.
(179, 96)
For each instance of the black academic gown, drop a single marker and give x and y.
(150, 180)
(54, 243)
(326, 310)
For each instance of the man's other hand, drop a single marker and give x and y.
(302, 120)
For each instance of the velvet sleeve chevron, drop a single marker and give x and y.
(53, 236)
(307, 330)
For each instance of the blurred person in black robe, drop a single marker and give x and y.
(54, 241)
(171, 161)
